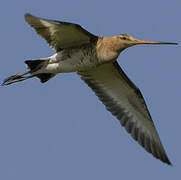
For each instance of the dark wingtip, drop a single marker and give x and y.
(27, 14)
(164, 158)
(168, 162)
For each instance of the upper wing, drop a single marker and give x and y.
(58, 34)
(124, 100)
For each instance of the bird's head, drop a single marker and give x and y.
(123, 41)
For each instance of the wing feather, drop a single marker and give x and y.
(60, 35)
(125, 101)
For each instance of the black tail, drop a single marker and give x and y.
(33, 66)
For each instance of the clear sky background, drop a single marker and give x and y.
(59, 130)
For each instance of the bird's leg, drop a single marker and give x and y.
(16, 78)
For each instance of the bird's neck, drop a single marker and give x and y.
(106, 50)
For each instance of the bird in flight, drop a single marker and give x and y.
(94, 58)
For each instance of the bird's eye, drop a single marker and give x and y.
(123, 38)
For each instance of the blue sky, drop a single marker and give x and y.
(59, 130)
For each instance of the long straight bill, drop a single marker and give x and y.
(137, 41)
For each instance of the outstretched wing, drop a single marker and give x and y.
(60, 35)
(125, 101)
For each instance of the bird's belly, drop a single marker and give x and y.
(78, 61)
(74, 64)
